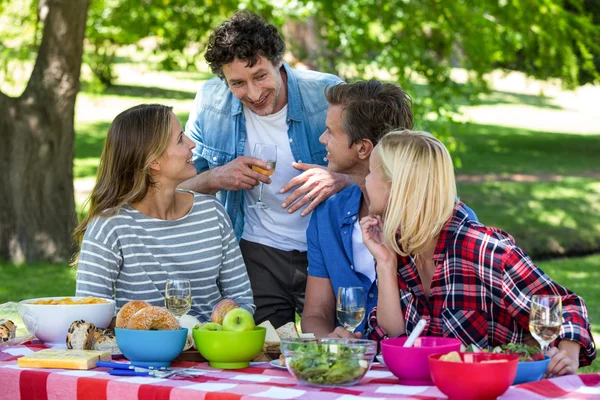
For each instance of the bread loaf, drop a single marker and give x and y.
(7, 330)
(272, 340)
(105, 340)
(288, 331)
(81, 335)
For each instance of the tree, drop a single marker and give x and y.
(37, 211)
(419, 42)
(176, 26)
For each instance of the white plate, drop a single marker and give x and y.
(276, 364)
(379, 358)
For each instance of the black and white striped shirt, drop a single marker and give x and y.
(130, 256)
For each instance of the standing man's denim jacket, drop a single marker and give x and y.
(218, 127)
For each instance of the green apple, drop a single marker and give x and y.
(221, 309)
(238, 319)
(210, 326)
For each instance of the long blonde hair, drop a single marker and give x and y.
(136, 138)
(422, 192)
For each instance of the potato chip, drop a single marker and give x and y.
(452, 357)
(70, 301)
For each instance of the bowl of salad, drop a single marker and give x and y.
(532, 362)
(328, 362)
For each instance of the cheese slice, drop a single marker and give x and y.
(66, 359)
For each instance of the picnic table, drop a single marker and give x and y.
(259, 381)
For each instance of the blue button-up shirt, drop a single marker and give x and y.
(218, 127)
(329, 238)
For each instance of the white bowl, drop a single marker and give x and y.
(50, 323)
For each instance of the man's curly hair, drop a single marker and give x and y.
(245, 36)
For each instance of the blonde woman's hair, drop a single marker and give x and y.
(136, 138)
(423, 189)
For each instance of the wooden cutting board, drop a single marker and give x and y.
(193, 355)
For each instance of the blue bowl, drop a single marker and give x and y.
(531, 371)
(151, 348)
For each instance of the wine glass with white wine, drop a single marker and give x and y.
(350, 307)
(545, 319)
(267, 153)
(178, 297)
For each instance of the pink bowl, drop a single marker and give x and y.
(410, 364)
(474, 379)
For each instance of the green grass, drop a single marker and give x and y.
(23, 282)
(504, 150)
(545, 218)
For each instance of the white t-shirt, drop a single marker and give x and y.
(273, 226)
(363, 259)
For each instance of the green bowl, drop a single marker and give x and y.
(229, 349)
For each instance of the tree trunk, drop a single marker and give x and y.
(307, 46)
(37, 206)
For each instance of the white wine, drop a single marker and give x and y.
(268, 172)
(544, 332)
(178, 306)
(350, 318)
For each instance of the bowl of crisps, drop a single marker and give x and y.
(49, 318)
(473, 375)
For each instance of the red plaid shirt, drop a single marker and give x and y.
(480, 292)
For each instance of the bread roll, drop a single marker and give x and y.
(153, 318)
(106, 341)
(80, 335)
(7, 330)
(128, 310)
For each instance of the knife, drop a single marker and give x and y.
(129, 372)
(130, 366)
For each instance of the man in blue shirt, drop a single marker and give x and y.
(259, 99)
(359, 115)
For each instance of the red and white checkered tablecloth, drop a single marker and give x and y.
(261, 380)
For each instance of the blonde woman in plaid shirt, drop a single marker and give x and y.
(467, 280)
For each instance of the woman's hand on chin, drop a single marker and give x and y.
(372, 234)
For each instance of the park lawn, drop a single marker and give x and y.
(545, 218)
(492, 149)
(29, 281)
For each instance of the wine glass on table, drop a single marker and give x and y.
(178, 297)
(267, 153)
(350, 307)
(545, 319)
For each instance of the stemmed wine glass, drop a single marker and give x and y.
(267, 153)
(178, 297)
(350, 307)
(545, 319)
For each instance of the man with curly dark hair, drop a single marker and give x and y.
(258, 98)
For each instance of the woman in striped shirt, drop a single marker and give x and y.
(433, 262)
(141, 230)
